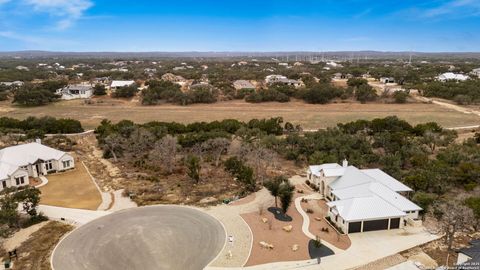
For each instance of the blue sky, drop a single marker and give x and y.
(246, 25)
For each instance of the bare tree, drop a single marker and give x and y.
(259, 158)
(139, 142)
(455, 217)
(165, 151)
(216, 147)
(113, 144)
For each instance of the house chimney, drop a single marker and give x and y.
(345, 163)
(38, 140)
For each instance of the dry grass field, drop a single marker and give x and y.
(35, 252)
(72, 189)
(308, 115)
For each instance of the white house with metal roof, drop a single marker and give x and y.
(118, 84)
(19, 162)
(362, 200)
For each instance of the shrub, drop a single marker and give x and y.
(400, 96)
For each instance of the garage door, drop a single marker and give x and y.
(354, 227)
(375, 225)
(395, 223)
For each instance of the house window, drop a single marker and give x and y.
(4, 184)
(49, 165)
(20, 180)
(66, 163)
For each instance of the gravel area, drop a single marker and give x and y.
(237, 253)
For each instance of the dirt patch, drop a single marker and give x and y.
(72, 189)
(22, 235)
(35, 252)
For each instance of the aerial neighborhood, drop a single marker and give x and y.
(290, 163)
(227, 135)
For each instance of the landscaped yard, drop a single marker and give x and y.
(72, 189)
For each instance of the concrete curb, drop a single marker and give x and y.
(44, 181)
(106, 197)
(306, 221)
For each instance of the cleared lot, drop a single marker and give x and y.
(308, 115)
(72, 189)
(155, 237)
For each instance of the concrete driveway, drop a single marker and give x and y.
(156, 237)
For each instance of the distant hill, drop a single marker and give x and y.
(293, 55)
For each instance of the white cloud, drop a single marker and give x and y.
(68, 11)
(36, 41)
(454, 8)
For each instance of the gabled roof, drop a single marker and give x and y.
(380, 190)
(386, 179)
(121, 83)
(356, 209)
(315, 169)
(20, 155)
(351, 176)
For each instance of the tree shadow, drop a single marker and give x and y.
(278, 213)
(316, 252)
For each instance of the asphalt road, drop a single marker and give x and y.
(156, 237)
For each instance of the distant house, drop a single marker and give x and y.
(101, 80)
(363, 200)
(334, 64)
(450, 76)
(150, 70)
(23, 68)
(339, 76)
(271, 79)
(18, 163)
(469, 258)
(174, 78)
(12, 84)
(476, 72)
(118, 84)
(75, 91)
(298, 64)
(243, 84)
(178, 68)
(386, 80)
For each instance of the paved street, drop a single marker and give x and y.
(157, 237)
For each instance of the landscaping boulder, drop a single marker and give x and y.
(208, 200)
(266, 245)
(264, 220)
(288, 228)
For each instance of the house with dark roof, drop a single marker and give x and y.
(469, 258)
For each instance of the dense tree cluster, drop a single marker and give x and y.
(43, 125)
(465, 92)
(38, 94)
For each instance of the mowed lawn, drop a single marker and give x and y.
(72, 189)
(309, 116)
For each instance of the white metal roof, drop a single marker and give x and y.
(13, 157)
(452, 76)
(387, 180)
(121, 83)
(351, 176)
(380, 190)
(315, 169)
(365, 208)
